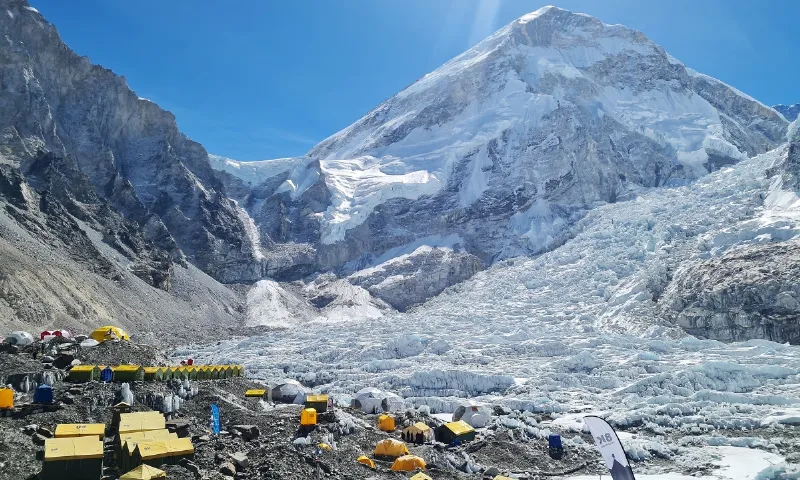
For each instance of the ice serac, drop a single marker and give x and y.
(129, 149)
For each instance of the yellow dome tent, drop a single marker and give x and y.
(363, 460)
(408, 463)
(420, 476)
(109, 332)
(391, 448)
(386, 423)
(144, 472)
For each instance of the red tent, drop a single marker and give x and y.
(45, 333)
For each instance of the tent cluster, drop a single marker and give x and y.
(131, 373)
(397, 450)
(54, 333)
(144, 440)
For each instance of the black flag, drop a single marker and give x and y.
(610, 448)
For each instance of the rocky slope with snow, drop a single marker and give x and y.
(130, 150)
(107, 212)
(790, 112)
(751, 289)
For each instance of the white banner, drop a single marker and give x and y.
(610, 448)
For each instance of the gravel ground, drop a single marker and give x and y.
(264, 433)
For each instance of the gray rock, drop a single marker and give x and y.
(30, 429)
(228, 469)
(45, 432)
(749, 292)
(409, 281)
(191, 466)
(240, 459)
(38, 439)
(248, 432)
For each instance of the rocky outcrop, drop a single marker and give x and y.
(749, 292)
(129, 150)
(411, 279)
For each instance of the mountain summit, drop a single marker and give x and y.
(506, 145)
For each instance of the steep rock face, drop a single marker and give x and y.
(130, 150)
(408, 280)
(69, 260)
(751, 292)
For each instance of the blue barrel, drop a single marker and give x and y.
(43, 394)
(106, 375)
(554, 441)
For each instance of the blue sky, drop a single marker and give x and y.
(258, 79)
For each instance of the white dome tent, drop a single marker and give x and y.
(475, 414)
(392, 403)
(288, 391)
(368, 400)
(19, 338)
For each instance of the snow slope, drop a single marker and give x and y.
(511, 89)
(507, 145)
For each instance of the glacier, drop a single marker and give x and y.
(578, 329)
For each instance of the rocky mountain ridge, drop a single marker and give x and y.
(496, 154)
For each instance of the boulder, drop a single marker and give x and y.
(248, 432)
(228, 469)
(240, 459)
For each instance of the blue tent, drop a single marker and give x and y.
(43, 394)
(106, 375)
(555, 448)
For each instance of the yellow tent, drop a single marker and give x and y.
(386, 423)
(168, 451)
(78, 458)
(325, 447)
(418, 476)
(69, 430)
(308, 417)
(416, 432)
(363, 460)
(6, 398)
(317, 402)
(391, 448)
(408, 463)
(255, 393)
(144, 472)
(500, 477)
(140, 422)
(109, 333)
